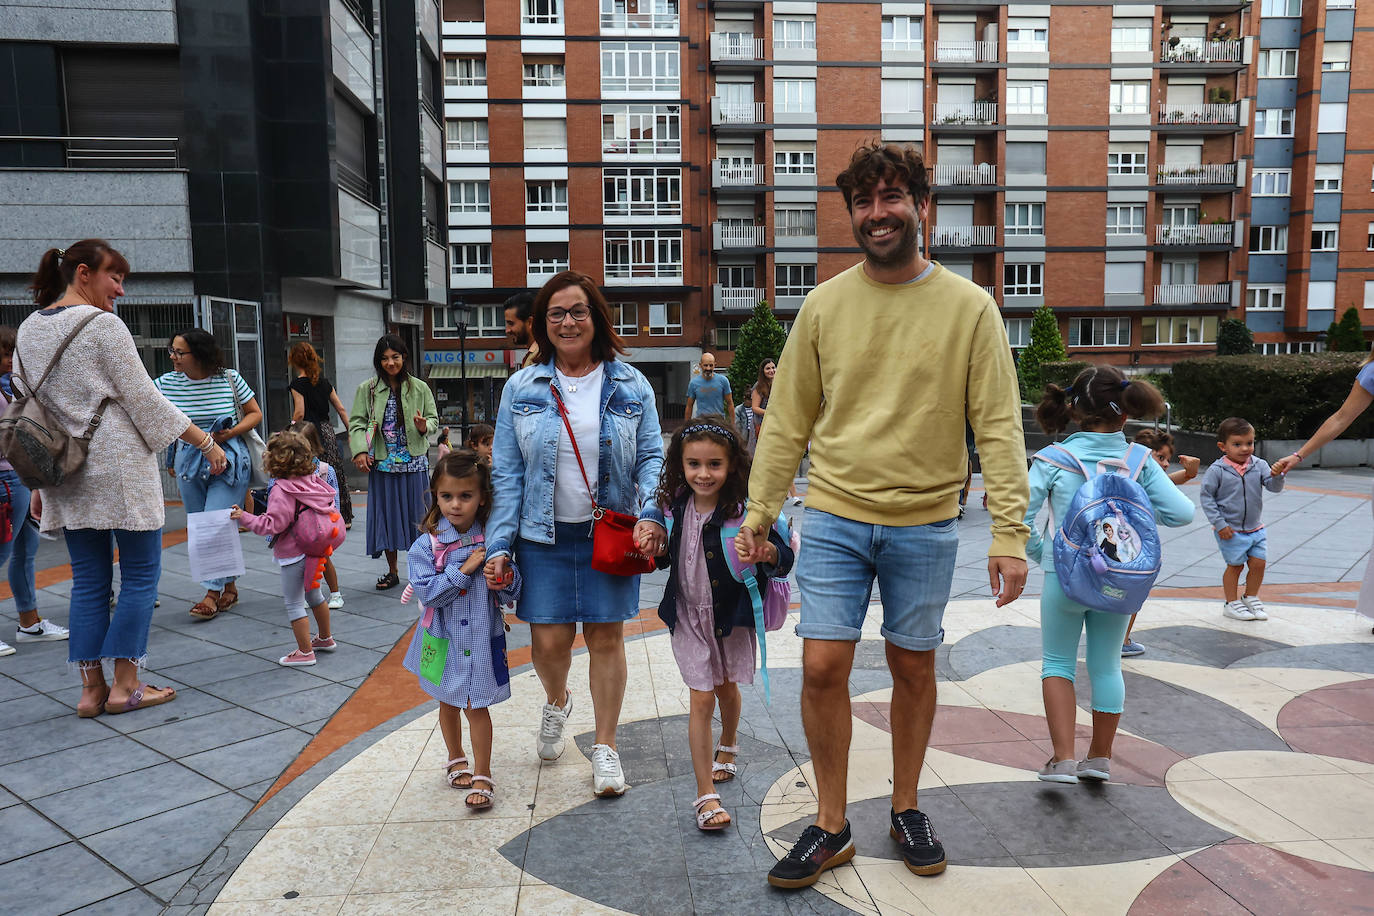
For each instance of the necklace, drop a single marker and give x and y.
(571, 383)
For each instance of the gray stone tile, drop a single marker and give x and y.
(257, 790)
(381, 636)
(11, 689)
(163, 844)
(251, 761)
(7, 799)
(84, 880)
(26, 710)
(126, 798)
(130, 903)
(77, 766)
(215, 729)
(166, 888)
(50, 735)
(26, 832)
(219, 668)
(346, 663)
(251, 690)
(189, 704)
(307, 705)
(243, 634)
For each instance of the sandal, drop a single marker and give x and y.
(729, 769)
(706, 820)
(228, 597)
(455, 777)
(91, 683)
(139, 699)
(390, 580)
(487, 794)
(207, 607)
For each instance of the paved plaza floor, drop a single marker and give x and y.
(1243, 779)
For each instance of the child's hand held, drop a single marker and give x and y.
(235, 512)
(1226, 533)
(474, 561)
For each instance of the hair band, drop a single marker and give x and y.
(1068, 392)
(61, 253)
(1125, 383)
(708, 428)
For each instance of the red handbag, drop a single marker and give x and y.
(613, 541)
(6, 516)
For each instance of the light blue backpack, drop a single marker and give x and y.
(1106, 548)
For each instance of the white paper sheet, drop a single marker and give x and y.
(213, 541)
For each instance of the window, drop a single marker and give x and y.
(548, 196)
(641, 130)
(793, 279)
(901, 33)
(1018, 331)
(470, 259)
(1124, 279)
(797, 33)
(641, 192)
(1269, 8)
(902, 96)
(1157, 331)
(546, 133)
(727, 336)
(665, 318)
(1025, 158)
(1321, 295)
(1129, 97)
(465, 71)
(795, 96)
(1369, 240)
(640, 66)
(1296, 346)
(1026, 97)
(481, 320)
(1277, 62)
(542, 11)
(1324, 237)
(469, 197)
(1369, 294)
(488, 321)
(1336, 55)
(466, 134)
(1125, 219)
(463, 11)
(1270, 182)
(1023, 280)
(1331, 118)
(1130, 35)
(1030, 36)
(1126, 158)
(1268, 239)
(633, 254)
(1327, 178)
(794, 157)
(1025, 219)
(794, 221)
(540, 71)
(625, 318)
(546, 258)
(1264, 298)
(1099, 332)
(1274, 122)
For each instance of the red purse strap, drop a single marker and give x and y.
(563, 412)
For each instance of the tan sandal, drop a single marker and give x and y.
(228, 597)
(206, 608)
(139, 699)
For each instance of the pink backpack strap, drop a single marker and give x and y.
(441, 552)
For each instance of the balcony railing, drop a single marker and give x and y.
(965, 113)
(735, 46)
(748, 174)
(727, 112)
(991, 291)
(1204, 113)
(962, 236)
(1201, 234)
(1192, 293)
(539, 272)
(965, 52)
(101, 152)
(738, 298)
(1201, 51)
(732, 235)
(1205, 173)
(980, 173)
(623, 21)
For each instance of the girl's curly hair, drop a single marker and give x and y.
(711, 427)
(288, 455)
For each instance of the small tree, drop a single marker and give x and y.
(1234, 338)
(761, 338)
(1346, 335)
(1046, 346)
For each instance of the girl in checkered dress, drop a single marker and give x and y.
(459, 649)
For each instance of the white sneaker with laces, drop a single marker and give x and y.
(1237, 610)
(551, 724)
(335, 601)
(607, 776)
(6, 648)
(1256, 606)
(41, 631)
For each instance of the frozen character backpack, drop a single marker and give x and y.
(1111, 505)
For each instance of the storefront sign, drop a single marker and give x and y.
(479, 357)
(405, 313)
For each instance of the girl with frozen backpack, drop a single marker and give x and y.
(1100, 400)
(709, 611)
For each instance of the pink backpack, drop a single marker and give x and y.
(317, 533)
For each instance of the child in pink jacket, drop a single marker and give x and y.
(290, 460)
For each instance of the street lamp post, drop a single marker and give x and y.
(461, 308)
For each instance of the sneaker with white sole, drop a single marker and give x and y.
(297, 658)
(6, 648)
(1256, 606)
(41, 631)
(1130, 649)
(552, 721)
(1237, 610)
(607, 776)
(335, 601)
(323, 644)
(1065, 771)
(1098, 769)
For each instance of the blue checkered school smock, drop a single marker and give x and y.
(475, 672)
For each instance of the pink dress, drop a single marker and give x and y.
(705, 660)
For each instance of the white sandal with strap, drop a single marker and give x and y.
(717, 767)
(454, 775)
(704, 816)
(488, 795)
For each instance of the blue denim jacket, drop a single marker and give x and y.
(190, 464)
(525, 453)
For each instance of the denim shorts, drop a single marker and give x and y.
(913, 564)
(1243, 544)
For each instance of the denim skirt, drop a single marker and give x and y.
(560, 585)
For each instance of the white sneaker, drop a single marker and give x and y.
(335, 601)
(41, 631)
(551, 724)
(607, 776)
(1256, 606)
(1237, 610)
(6, 648)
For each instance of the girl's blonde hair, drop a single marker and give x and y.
(288, 455)
(460, 464)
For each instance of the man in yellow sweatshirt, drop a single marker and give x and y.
(884, 364)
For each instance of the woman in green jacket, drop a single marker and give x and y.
(390, 430)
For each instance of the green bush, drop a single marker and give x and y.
(761, 338)
(1284, 397)
(1046, 346)
(1346, 335)
(1061, 373)
(1234, 338)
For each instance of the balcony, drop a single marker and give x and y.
(154, 153)
(991, 291)
(965, 52)
(1195, 236)
(748, 175)
(537, 273)
(963, 236)
(637, 273)
(982, 173)
(622, 22)
(736, 114)
(1207, 173)
(964, 114)
(735, 47)
(736, 235)
(1206, 114)
(736, 298)
(1192, 293)
(1200, 51)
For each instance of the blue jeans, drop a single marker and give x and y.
(21, 549)
(96, 632)
(203, 495)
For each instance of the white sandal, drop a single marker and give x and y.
(454, 775)
(488, 795)
(704, 816)
(717, 767)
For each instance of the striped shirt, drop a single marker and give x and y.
(204, 400)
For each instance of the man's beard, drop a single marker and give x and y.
(901, 254)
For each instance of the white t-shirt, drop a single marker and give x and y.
(571, 501)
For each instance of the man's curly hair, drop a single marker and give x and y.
(898, 163)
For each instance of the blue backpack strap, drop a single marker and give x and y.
(1062, 458)
(1136, 456)
(745, 575)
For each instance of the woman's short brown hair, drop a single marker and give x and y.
(606, 343)
(897, 163)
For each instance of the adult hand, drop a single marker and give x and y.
(363, 462)
(421, 425)
(1226, 533)
(473, 562)
(751, 546)
(1190, 465)
(217, 460)
(1010, 574)
(36, 504)
(1283, 465)
(171, 472)
(498, 573)
(650, 537)
(221, 436)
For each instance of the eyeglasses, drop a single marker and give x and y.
(578, 313)
(173, 351)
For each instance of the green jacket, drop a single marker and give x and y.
(369, 403)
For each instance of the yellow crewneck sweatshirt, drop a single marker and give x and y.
(879, 378)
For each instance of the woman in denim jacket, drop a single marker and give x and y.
(543, 511)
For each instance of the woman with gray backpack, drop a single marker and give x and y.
(78, 376)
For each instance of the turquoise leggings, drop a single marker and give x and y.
(1061, 623)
